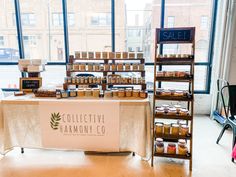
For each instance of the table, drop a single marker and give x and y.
(19, 124)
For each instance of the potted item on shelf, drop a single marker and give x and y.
(98, 55)
(159, 148)
(171, 148)
(159, 128)
(125, 55)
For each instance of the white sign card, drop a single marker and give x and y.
(88, 125)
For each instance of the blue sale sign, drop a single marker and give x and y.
(175, 35)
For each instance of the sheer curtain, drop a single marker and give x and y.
(223, 45)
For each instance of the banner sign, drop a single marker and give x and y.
(175, 35)
(88, 125)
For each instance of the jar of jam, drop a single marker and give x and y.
(171, 148)
(98, 55)
(99, 80)
(178, 93)
(141, 67)
(166, 129)
(73, 93)
(128, 92)
(135, 66)
(121, 93)
(118, 55)
(143, 94)
(105, 55)
(90, 55)
(84, 54)
(96, 67)
(159, 148)
(125, 55)
(177, 107)
(76, 67)
(139, 55)
(77, 54)
(73, 80)
(127, 66)
(131, 55)
(120, 67)
(175, 129)
(96, 92)
(107, 94)
(88, 92)
(172, 111)
(90, 80)
(184, 130)
(113, 67)
(183, 112)
(158, 128)
(82, 67)
(80, 92)
(115, 92)
(111, 55)
(160, 111)
(69, 80)
(107, 67)
(136, 93)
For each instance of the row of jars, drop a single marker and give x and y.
(108, 55)
(167, 92)
(105, 67)
(184, 74)
(96, 93)
(175, 56)
(121, 93)
(108, 80)
(171, 129)
(171, 110)
(172, 148)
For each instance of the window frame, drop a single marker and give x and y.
(208, 64)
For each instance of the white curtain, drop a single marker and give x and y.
(224, 43)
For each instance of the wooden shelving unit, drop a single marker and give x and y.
(102, 61)
(189, 99)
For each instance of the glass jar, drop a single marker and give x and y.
(107, 94)
(183, 112)
(98, 55)
(184, 130)
(121, 93)
(86, 80)
(166, 93)
(115, 92)
(135, 67)
(101, 67)
(96, 92)
(166, 129)
(175, 129)
(143, 94)
(80, 92)
(171, 148)
(107, 67)
(69, 80)
(131, 55)
(139, 55)
(73, 93)
(113, 67)
(76, 67)
(178, 93)
(177, 107)
(88, 92)
(136, 93)
(141, 67)
(158, 128)
(77, 54)
(111, 55)
(90, 67)
(128, 92)
(65, 80)
(64, 94)
(172, 111)
(120, 67)
(90, 80)
(118, 55)
(166, 107)
(160, 111)
(96, 67)
(104, 55)
(84, 54)
(77, 80)
(159, 148)
(125, 55)
(82, 67)
(99, 80)
(127, 66)
(69, 67)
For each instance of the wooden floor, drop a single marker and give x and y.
(209, 159)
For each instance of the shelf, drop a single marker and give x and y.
(174, 62)
(177, 117)
(176, 156)
(102, 71)
(173, 138)
(174, 79)
(88, 59)
(99, 84)
(174, 98)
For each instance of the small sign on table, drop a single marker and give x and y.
(29, 84)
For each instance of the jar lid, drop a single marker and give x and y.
(172, 109)
(179, 91)
(159, 124)
(159, 140)
(159, 108)
(177, 106)
(175, 125)
(182, 141)
(165, 105)
(185, 126)
(167, 124)
(172, 144)
(183, 110)
(88, 89)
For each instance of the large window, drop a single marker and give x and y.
(90, 28)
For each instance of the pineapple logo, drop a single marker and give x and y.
(55, 120)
